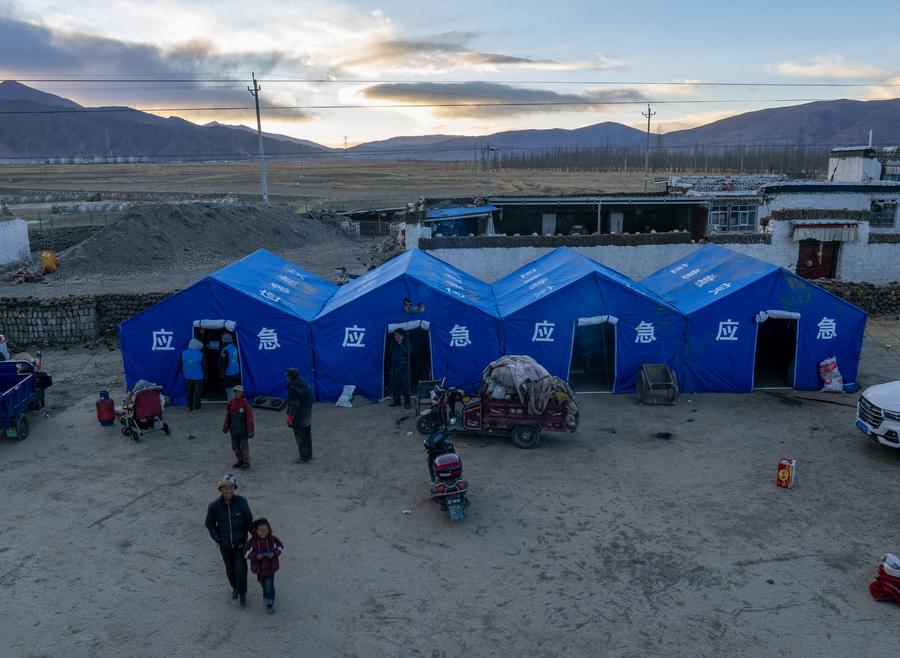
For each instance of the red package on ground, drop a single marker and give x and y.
(784, 477)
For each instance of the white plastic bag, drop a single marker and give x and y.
(831, 376)
(346, 399)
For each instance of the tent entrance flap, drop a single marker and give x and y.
(417, 340)
(592, 367)
(210, 333)
(776, 351)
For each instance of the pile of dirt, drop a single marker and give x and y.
(166, 237)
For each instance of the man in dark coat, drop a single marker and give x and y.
(299, 413)
(229, 522)
(400, 369)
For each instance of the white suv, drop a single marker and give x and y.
(878, 414)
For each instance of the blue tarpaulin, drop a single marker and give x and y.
(459, 211)
(272, 303)
(543, 303)
(350, 334)
(727, 296)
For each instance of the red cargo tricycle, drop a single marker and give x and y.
(484, 414)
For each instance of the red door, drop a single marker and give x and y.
(817, 260)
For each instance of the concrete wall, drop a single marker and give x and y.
(854, 169)
(14, 245)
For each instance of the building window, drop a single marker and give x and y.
(892, 170)
(732, 218)
(883, 213)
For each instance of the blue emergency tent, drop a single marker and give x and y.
(555, 308)
(271, 303)
(412, 291)
(750, 320)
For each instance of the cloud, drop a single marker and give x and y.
(831, 67)
(29, 49)
(449, 51)
(487, 99)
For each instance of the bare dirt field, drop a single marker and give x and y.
(606, 542)
(316, 184)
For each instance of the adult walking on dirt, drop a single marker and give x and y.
(400, 369)
(229, 365)
(229, 522)
(193, 368)
(299, 413)
(239, 421)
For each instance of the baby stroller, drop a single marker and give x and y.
(143, 413)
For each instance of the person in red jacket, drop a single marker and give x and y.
(239, 421)
(262, 551)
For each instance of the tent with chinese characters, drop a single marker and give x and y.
(739, 309)
(413, 291)
(271, 302)
(547, 305)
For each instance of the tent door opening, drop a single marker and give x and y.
(418, 341)
(592, 367)
(210, 333)
(776, 349)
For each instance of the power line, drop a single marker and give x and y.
(679, 83)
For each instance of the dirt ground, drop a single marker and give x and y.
(606, 542)
(168, 247)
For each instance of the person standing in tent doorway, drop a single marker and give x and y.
(229, 365)
(299, 413)
(229, 522)
(400, 369)
(193, 367)
(239, 421)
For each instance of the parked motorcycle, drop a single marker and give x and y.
(445, 469)
(444, 402)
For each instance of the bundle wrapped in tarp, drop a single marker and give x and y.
(526, 379)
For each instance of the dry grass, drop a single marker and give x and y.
(350, 185)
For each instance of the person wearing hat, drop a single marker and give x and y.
(229, 365)
(193, 367)
(400, 369)
(299, 413)
(239, 421)
(229, 522)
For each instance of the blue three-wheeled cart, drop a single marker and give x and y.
(21, 390)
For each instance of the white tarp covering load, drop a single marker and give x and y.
(530, 382)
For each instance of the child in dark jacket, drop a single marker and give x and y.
(239, 421)
(263, 550)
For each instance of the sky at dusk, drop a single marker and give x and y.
(458, 58)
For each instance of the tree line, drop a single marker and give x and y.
(796, 161)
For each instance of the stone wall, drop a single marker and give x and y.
(28, 321)
(58, 239)
(884, 238)
(876, 300)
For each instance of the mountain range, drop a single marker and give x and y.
(38, 126)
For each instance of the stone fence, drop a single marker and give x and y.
(884, 238)
(602, 240)
(58, 239)
(876, 300)
(29, 321)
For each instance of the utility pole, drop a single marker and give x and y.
(486, 152)
(648, 114)
(254, 91)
